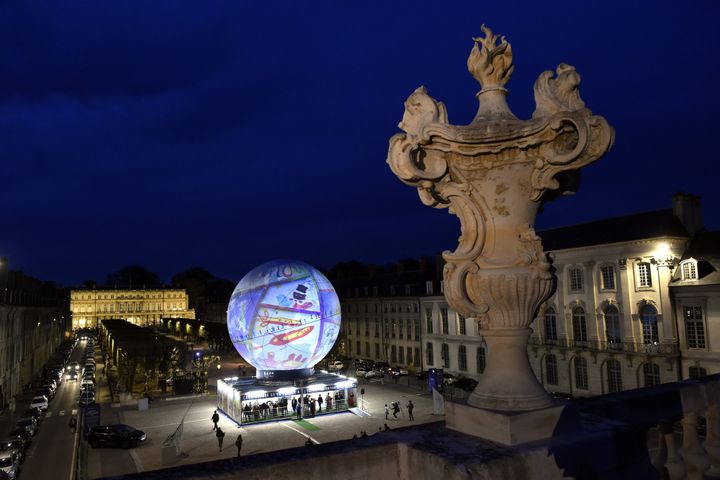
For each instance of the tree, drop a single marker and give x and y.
(194, 280)
(132, 275)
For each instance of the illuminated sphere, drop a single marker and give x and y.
(283, 315)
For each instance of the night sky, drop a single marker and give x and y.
(225, 134)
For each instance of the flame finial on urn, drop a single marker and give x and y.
(491, 65)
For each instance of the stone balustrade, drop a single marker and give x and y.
(662, 349)
(673, 416)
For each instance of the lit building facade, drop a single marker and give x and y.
(139, 307)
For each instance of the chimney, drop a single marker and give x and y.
(687, 208)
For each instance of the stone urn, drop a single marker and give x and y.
(494, 174)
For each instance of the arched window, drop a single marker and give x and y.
(648, 317)
(429, 354)
(651, 374)
(481, 359)
(579, 326)
(614, 376)
(551, 370)
(581, 373)
(550, 326)
(612, 327)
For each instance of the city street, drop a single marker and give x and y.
(200, 444)
(51, 453)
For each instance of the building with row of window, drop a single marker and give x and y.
(636, 303)
(137, 306)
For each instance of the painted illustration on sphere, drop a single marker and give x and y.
(283, 315)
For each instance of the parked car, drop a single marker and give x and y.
(360, 373)
(10, 464)
(449, 378)
(29, 424)
(466, 383)
(373, 374)
(87, 381)
(336, 365)
(48, 393)
(123, 436)
(34, 413)
(15, 445)
(23, 434)
(86, 398)
(39, 401)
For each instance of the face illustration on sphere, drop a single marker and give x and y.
(283, 315)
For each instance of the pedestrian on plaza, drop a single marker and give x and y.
(386, 427)
(328, 402)
(238, 443)
(294, 404)
(299, 411)
(410, 407)
(387, 411)
(215, 419)
(312, 408)
(220, 435)
(308, 442)
(320, 402)
(396, 409)
(73, 424)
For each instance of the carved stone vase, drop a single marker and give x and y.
(494, 174)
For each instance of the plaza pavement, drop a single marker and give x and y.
(200, 444)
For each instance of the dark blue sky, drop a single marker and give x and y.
(224, 134)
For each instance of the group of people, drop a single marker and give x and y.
(301, 406)
(363, 433)
(220, 435)
(395, 409)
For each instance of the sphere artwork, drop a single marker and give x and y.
(283, 315)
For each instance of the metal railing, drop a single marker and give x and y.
(665, 349)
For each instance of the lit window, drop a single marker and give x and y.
(461, 324)
(694, 327)
(576, 279)
(581, 373)
(551, 370)
(689, 270)
(644, 276)
(607, 275)
(648, 317)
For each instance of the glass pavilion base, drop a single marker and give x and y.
(285, 375)
(248, 400)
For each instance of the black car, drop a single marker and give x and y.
(465, 383)
(34, 413)
(22, 433)
(120, 435)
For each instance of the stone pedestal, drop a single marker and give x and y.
(508, 428)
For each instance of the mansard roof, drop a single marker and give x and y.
(705, 249)
(639, 226)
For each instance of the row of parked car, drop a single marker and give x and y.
(87, 384)
(15, 445)
(371, 369)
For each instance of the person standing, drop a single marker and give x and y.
(320, 402)
(410, 407)
(396, 409)
(73, 424)
(220, 435)
(238, 443)
(387, 411)
(215, 419)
